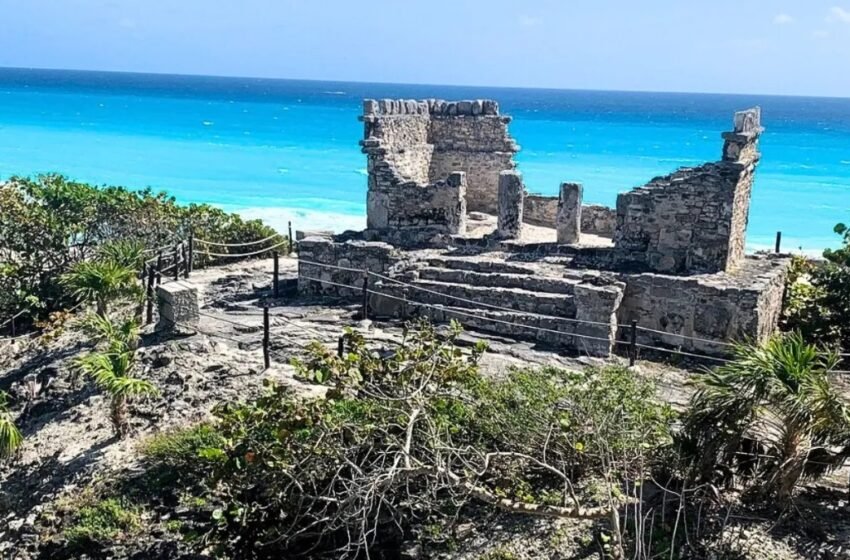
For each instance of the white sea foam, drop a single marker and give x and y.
(208, 123)
(303, 219)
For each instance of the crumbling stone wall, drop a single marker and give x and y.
(345, 260)
(424, 143)
(542, 210)
(724, 307)
(694, 220)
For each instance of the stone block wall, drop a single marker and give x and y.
(721, 306)
(425, 142)
(542, 210)
(598, 220)
(346, 261)
(694, 220)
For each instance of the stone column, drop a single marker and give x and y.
(511, 193)
(568, 220)
(741, 145)
(177, 303)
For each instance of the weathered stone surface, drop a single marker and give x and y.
(511, 191)
(598, 220)
(568, 220)
(178, 304)
(303, 234)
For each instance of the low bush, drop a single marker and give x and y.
(410, 439)
(102, 523)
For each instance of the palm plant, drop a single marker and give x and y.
(126, 252)
(101, 281)
(779, 395)
(111, 370)
(10, 436)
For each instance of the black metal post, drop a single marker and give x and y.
(633, 345)
(176, 262)
(290, 237)
(151, 275)
(159, 268)
(13, 324)
(366, 296)
(276, 255)
(778, 240)
(340, 345)
(266, 359)
(190, 264)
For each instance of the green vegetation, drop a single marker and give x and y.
(112, 368)
(403, 442)
(50, 224)
(818, 296)
(10, 436)
(779, 395)
(101, 523)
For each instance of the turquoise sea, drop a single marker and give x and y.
(287, 150)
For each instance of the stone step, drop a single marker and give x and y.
(579, 338)
(476, 297)
(545, 284)
(481, 265)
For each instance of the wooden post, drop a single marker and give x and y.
(13, 324)
(290, 237)
(778, 240)
(184, 257)
(266, 359)
(340, 345)
(365, 310)
(276, 255)
(176, 262)
(159, 268)
(190, 264)
(633, 345)
(151, 275)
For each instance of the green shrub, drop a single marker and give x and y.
(102, 523)
(49, 223)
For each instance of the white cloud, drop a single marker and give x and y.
(820, 34)
(782, 19)
(529, 21)
(837, 13)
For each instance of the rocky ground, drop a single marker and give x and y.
(69, 442)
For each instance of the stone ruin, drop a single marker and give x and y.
(452, 232)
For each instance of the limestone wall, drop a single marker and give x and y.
(425, 142)
(694, 220)
(720, 306)
(541, 210)
(372, 256)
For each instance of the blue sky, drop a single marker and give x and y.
(750, 46)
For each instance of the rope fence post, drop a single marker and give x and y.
(176, 263)
(266, 359)
(633, 345)
(151, 275)
(778, 241)
(340, 346)
(365, 310)
(185, 258)
(159, 268)
(275, 278)
(12, 323)
(290, 237)
(190, 264)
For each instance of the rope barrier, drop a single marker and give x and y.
(13, 317)
(239, 255)
(247, 244)
(335, 267)
(646, 329)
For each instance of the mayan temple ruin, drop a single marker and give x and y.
(453, 232)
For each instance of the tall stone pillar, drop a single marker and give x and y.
(511, 194)
(568, 220)
(741, 145)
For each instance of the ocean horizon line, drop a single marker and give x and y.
(511, 88)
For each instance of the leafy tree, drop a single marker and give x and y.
(779, 395)
(10, 436)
